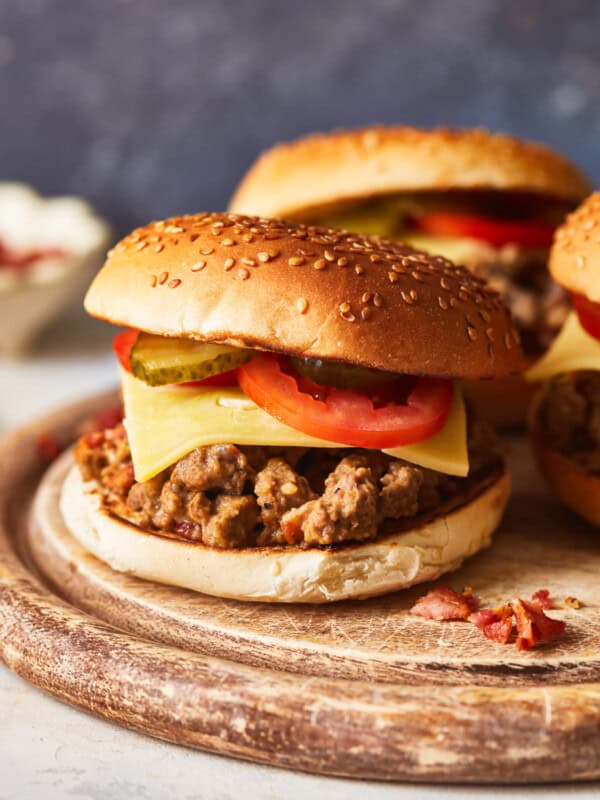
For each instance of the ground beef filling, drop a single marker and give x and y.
(569, 417)
(538, 305)
(229, 497)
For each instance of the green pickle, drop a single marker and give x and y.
(159, 360)
(342, 376)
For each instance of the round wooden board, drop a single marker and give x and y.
(357, 688)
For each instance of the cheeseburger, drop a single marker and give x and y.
(485, 200)
(565, 416)
(294, 425)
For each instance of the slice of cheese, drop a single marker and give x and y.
(572, 350)
(165, 423)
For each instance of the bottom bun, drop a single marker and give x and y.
(502, 401)
(287, 574)
(577, 489)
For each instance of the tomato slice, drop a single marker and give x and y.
(491, 230)
(344, 416)
(123, 345)
(588, 313)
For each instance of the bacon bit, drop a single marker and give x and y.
(444, 604)
(543, 599)
(573, 602)
(48, 446)
(533, 626)
(495, 623)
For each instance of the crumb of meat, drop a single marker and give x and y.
(400, 492)
(444, 604)
(570, 417)
(348, 508)
(573, 602)
(278, 489)
(218, 466)
(232, 520)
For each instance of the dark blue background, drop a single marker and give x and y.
(150, 107)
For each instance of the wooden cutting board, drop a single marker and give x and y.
(356, 688)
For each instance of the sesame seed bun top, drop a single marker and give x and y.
(575, 254)
(308, 291)
(324, 168)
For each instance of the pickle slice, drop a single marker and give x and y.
(158, 360)
(343, 376)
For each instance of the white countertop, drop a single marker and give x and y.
(49, 751)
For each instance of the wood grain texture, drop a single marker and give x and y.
(358, 689)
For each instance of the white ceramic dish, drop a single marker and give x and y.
(62, 239)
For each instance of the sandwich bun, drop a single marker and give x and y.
(286, 574)
(577, 489)
(306, 291)
(575, 255)
(327, 168)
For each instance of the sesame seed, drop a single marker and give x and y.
(163, 277)
(407, 297)
(296, 261)
(247, 237)
(377, 300)
(366, 298)
(159, 248)
(199, 265)
(153, 280)
(218, 224)
(227, 242)
(348, 316)
(397, 268)
(366, 313)
(580, 261)
(375, 259)
(445, 284)
(393, 277)
(243, 274)
(302, 305)
(249, 262)
(472, 333)
(174, 283)
(489, 332)
(207, 251)
(417, 276)
(174, 229)
(228, 264)
(342, 261)
(320, 263)
(329, 256)
(344, 308)
(359, 269)
(141, 245)
(263, 256)
(507, 342)
(194, 236)
(443, 303)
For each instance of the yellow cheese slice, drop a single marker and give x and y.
(573, 349)
(165, 423)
